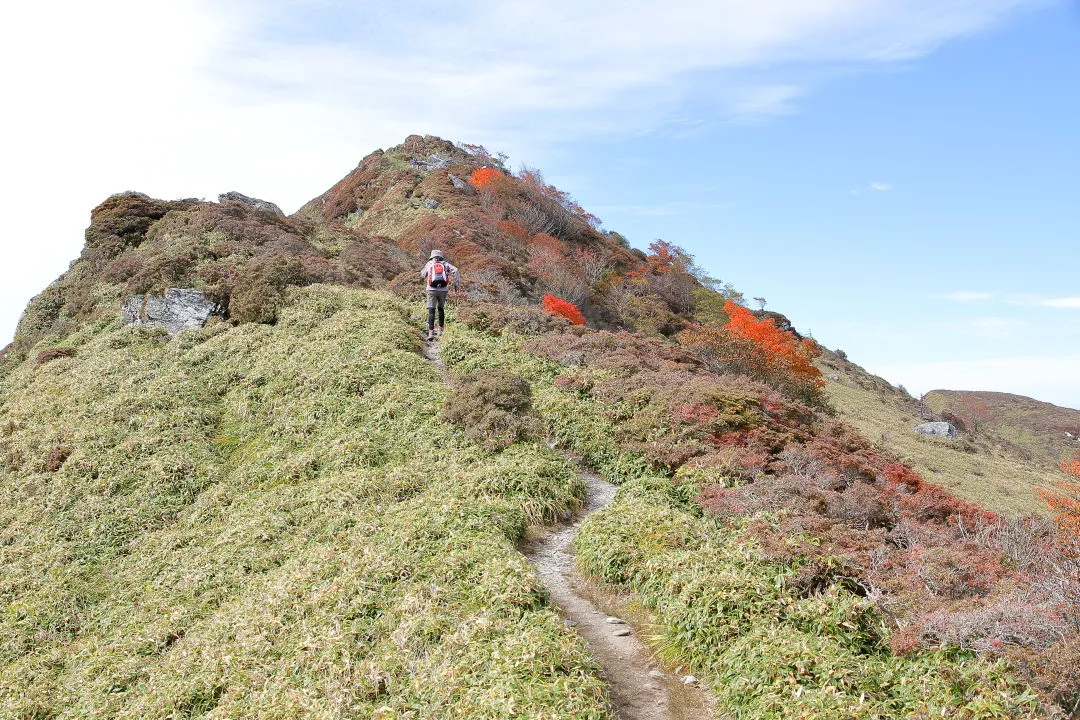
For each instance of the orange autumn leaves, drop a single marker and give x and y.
(484, 177)
(783, 351)
(1065, 501)
(568, 310)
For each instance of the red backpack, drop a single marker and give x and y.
(437, 275)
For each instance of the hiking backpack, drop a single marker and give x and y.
(437, 275)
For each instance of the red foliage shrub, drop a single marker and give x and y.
(1071, 467)
(784, 353)
(512, 229)
(925, 501)
(568, 310)
(484, 177)
(757, 348)
(842, 448)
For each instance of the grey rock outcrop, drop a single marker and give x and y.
(431, 203)
(256, 203)
(937, 429)
(178, 309)
(434, 161)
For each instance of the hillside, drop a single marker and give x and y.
(299, 510)
(1028, 428)
(977, 465)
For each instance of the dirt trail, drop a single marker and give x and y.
(639, 688)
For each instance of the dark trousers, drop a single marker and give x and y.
(436, 300)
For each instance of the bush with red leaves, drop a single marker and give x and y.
(564, 308)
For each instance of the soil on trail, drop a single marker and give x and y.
(638, 686)
(640, 689)
(431, 352)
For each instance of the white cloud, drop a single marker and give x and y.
(278, 99)
(1050, 379)
(873, 187)
(1064, 302)
(1045, 302)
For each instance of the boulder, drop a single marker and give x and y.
(256, 203)
(178, 309)
(458, 182)
(937, 429)
(431, 203)
(434, 161)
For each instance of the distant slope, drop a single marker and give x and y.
(1030, 428)
(975, 466)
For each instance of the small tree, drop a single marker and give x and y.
(484, 177)
(568, 310)
(975, 414)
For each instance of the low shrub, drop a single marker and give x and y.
(494, 408)
(55, 353)
(777, 639)
(564, 308)
(497, 318)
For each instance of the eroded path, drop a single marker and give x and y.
(639, 688)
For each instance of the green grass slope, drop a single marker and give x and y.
(742, 620)
(270, 521)
(1031, 429)
(974, 467)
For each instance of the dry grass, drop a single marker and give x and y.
(271, 522)
(977, 473)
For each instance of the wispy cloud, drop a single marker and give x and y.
(1045, 302)
(1062, 302)
(992, 327)
(874, 187)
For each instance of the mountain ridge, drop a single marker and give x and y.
(288, 513)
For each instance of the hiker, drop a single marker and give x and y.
(437, 276)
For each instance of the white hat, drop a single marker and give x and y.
(436, 254)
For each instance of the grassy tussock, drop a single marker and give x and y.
(580, 426)
(769, 650)
(768, 646)
(271, 521)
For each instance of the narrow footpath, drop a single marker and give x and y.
(639, 688)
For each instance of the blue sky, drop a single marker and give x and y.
(899, 177)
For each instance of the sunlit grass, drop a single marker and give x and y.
(272, 522)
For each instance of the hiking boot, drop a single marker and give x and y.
(430, 335)
(442, 329)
